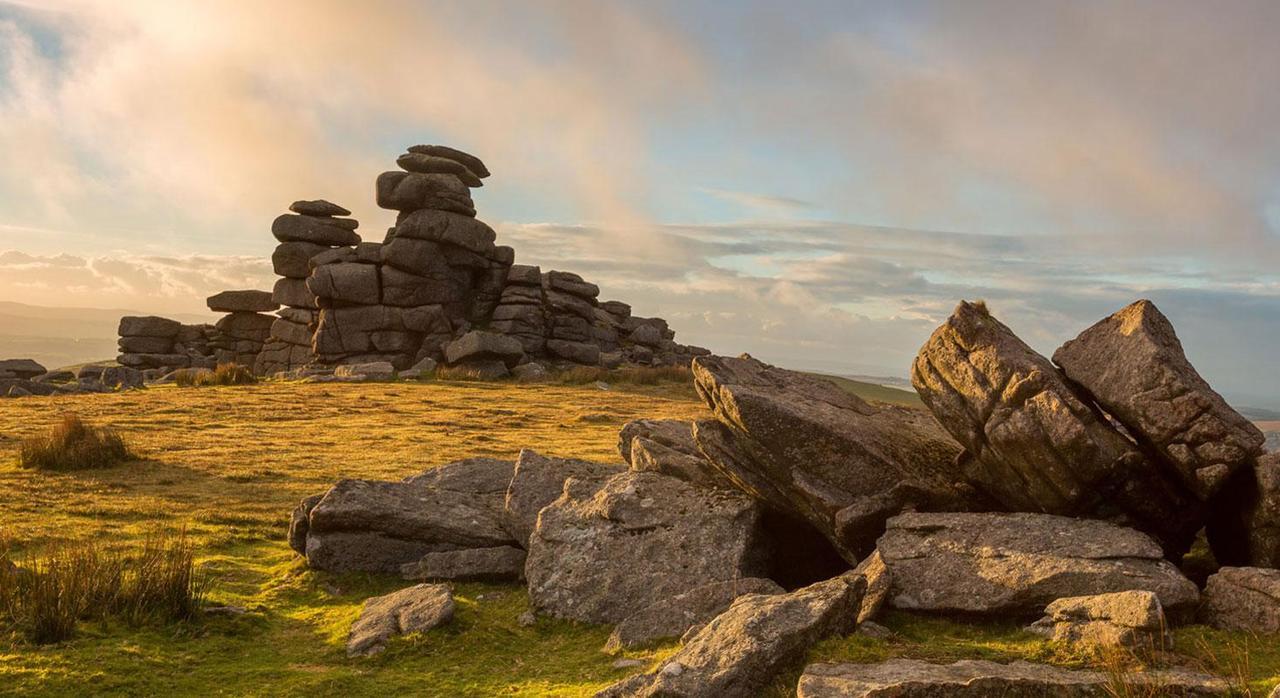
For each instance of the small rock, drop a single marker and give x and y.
(1122, 619)
(527, 619)
(422, 369)
(1246, 599)
(601, 385)
(416, 609)
(531, 372)
(875, 631)
(627, 664)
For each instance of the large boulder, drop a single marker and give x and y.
(803, 445)
(149, 326)
(293, 259)
(577, 352)
(431, 164)
(346, 284)
(242, 301)
(741, 651)
(538, 480)
(600, 554)
(1246, 599)
(674, 616)
(410, 191)
(1016, 564)
(320, 230)
(914, 678)
(24, 369)
(442, 226)
(1032, 443)
(1133, 366)
(471, 162)
(1132, 619)
(414, 610)
(479, 345)
(1244, 522)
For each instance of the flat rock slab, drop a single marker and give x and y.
(484, 345)
(318, 207)
(242, 301)
(1016, 564)
(1133, 366)
(912, 678)
(538, 480)
(1246, 599)
(807, 447)
(414, 610)
(677, 615)
(501, 564)
(24, 369)
(601, 553)
(1032, 443)
(470, 161)
(320, 230)
(1121, 619)
(149, 326)
(741, 651)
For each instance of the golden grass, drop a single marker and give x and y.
(73, 444)
(224, 374)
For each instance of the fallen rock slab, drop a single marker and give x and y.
(1032, 443)
(804, 446)
(1132, 619)
(673, 617)
(1243, 598)
(912, 678)
(1133, 366)
(601, 553)
(743, 649)
(1016, 564)
(414, 610)
(537, 481)
(500, 564)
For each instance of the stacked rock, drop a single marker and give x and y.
(239, 337)
(151, 342)
(314, 228)
(571, 316)
(519, 313)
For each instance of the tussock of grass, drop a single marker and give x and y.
(48, 596)
(459, 373)
(74, 445)
(224, 374)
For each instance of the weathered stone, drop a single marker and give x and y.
(667, 446)
(363, 525)
(674, 616)
(1016, 564)
(741, 651)
(600, 554)
(577, 352)
(145, 345)
(482, 477)
(646, 335)
(431, 164)
(350, 284)
(564, 303)
(315, 229)
(803, 445)
(913, 678)
(879, 586)
(483, 345)
(1032, 443)
(501, 564)
(468, 160)
(120, 377)
(248, 326)
(570, 283)
(292, 259)
(318, 207)
(1132, 619)
(618, 309)
(1246, 599)
(21, 368)
(414, 610)
(242, 301)
(1244, 521)
(520, 297)
(300, 522)
(294, 293)
(149, 326)
(442, 226)
(424, 368)
(538, 481)
(291, 332)
(525, 275)
(1133, 366)
(410, 191)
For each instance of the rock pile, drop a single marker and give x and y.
(159, 343)
(239, 336)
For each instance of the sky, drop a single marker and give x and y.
(816, 183)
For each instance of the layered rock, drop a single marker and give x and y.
(1133, 366)
(804, 446)
(667, 446)
(1131, 619)
(1016, 564)
(539, 480)
(1033, 443)
(1246, 599)
(150, 342)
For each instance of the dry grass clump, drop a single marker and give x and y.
(583, 375)
(460, 373)
(46, 597)
(73, 444)
(224, 374)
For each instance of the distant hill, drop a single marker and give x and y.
(875, 392)
(58, 337)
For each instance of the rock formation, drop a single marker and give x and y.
(414, 610)
(1243, 598)
(1131, 619)
(1244, 521)
(159, 343)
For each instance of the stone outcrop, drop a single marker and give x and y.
(1243, 598)
(150, 342)
(601, 553)
(539, 480)
(1016, 564)
(674, 616)
(1133, 366)
(667, 446)
(500, 564)
(414, 610)
(1033, 443)
(1244, 522)
(913, 678)
(1131, 619)
(804, 446)
(761, 635)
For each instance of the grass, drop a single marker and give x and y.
(224, 374)
(72, 444)
(227, 466)
(873, 392)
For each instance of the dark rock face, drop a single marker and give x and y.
(150, 326)
(540, 480)
(913, 678)
(431, 164)
(743, 649)
(468, 160)
(600, 554)
(24, 369)
(243, 301)
(319, 207)
(1032, 443)
(674, 616)
(410, 191)
(1016, 564)
(414, 610)
(501, 564)
(1244, 523)
(1133, 366)
(315, 229)
(803, 445)
(1246, 599)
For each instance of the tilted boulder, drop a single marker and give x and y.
(1016, 564)
(1032, 443)
(538, 480)
(740, 652)
(1244, 521)
(477, 344)
(913, 678)
(414, 610)
(1133, 366)
(803, 445)
(431, 164)
(1132, 619)
(1246, 599)
(471, 162)
(24, 369)
(667, 446)
(318, 207)
(674, 616)
(600, 554)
